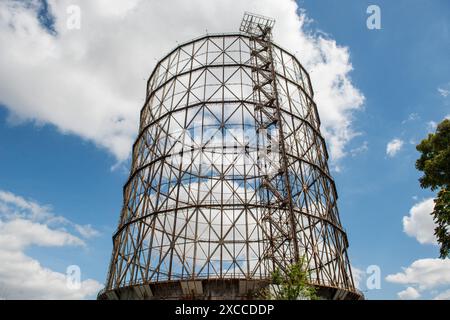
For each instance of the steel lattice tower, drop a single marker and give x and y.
(229, 177)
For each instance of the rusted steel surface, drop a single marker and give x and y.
(229, 176)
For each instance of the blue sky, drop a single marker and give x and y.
(399, 70)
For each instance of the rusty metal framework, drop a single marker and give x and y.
(229, 177)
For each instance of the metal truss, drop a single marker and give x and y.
(229, 176)
(278, 214)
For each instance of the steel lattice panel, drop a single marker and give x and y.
(193, 205)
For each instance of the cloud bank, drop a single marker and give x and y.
(91, 82)
(424, 275)
(23, 224)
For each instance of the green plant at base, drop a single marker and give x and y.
(292, 285)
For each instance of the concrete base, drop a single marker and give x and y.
(212, 289)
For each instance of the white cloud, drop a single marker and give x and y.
(19, 234)
(359, 150)
(419, 224)
(426, 274)
(409, 294)
(444, 92)
(14, 206)
(422, 275)
(22, 277)
(25, 223)
(91, 82)
(87, 231)
(443, 295)
(393, 147)
(411, 117)
(432, 125)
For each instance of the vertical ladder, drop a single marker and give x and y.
(278, 216)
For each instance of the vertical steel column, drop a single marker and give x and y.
(275, 185)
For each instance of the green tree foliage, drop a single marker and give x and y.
(434, 162)
(292, 285)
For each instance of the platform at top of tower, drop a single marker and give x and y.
(253, 23)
